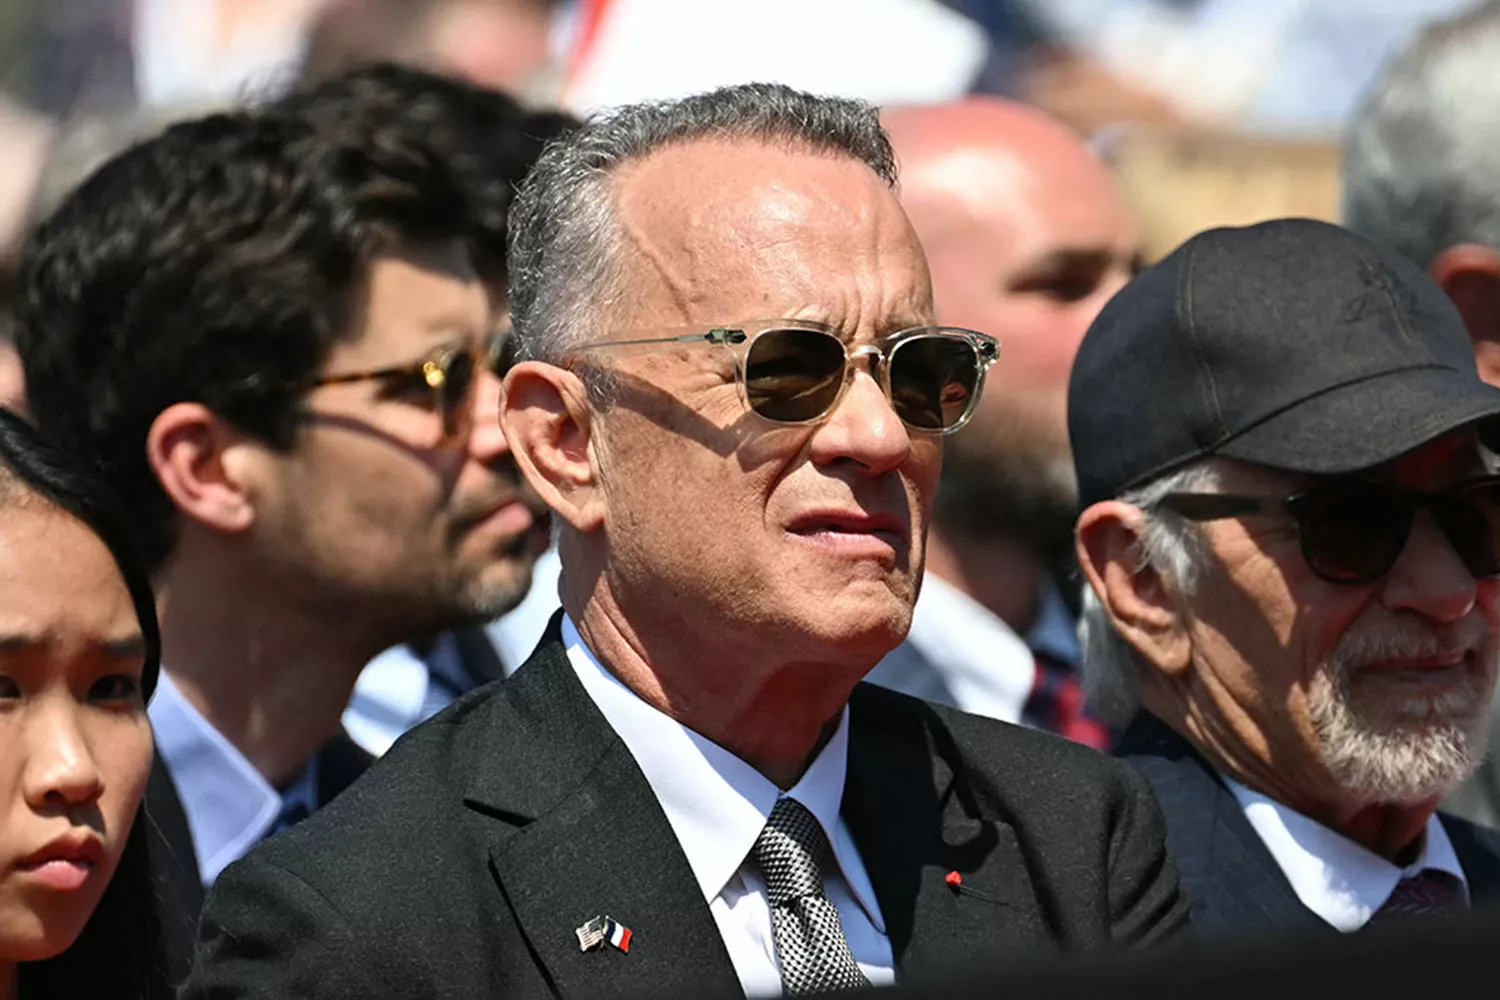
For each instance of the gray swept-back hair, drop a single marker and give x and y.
(1112, 668)
(564, 269)
(1419, 171)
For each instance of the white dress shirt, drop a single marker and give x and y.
(717, 806)
(1336, 878)
(960, 653)
(230, 806)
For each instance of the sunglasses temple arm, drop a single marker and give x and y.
(1216, 506)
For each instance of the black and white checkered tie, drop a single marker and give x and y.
(810, 941)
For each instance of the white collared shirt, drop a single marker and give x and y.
(967, 656)
(717, 806)
(230, 806)
(1336, 878)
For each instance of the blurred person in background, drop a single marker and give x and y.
(12, 381)
(1026, 236)
(1292, 539)
(501, 44)
(1419, 177)
(217, 50)
(276, 343)
(25, 138)
(1275, 68)
(489, 143)
(79, 658)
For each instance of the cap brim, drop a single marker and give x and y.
(1370, 422)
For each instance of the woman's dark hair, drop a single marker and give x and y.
(119, 952)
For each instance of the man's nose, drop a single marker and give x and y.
(863, 429)
(1429, 576)
(61, 769)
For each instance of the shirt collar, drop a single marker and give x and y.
(1336, 878)
(228, 804)
(717, 804)
(387, 699)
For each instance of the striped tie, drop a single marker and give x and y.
(1429, 893)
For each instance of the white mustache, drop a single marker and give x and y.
(1406, 638)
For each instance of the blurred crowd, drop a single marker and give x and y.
(1216, 110)
(664, 475)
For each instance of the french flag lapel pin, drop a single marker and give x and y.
(617, 934)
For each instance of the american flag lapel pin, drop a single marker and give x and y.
(591, 934)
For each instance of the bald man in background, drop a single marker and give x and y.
(1027, 238)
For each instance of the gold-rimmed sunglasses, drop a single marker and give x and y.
(448, 373)
(794, 372)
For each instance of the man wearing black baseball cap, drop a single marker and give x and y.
(1292, 538)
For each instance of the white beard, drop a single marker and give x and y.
(1381, 746)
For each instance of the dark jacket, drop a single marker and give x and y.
(1230, 877)
(174, 860)
(462, 863)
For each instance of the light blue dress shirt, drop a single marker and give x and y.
(230, 806)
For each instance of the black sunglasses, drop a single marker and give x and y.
(1354, 532)
(448, 373)
(790, 374)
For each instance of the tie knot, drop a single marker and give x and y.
(790, 851)
(1429, 893)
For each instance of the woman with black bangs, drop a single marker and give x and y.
(79, 656)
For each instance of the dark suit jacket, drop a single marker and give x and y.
(1231, 879)
(462, 863)
(174, 859)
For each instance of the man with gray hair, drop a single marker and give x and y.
(734, 399)
(1292, 537)
(1419, 177)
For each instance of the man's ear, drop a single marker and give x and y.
(195, 456)
(1470, 274)
(546, 419)
(1138, 598)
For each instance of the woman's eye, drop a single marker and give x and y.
(9, 688)
(115, 687)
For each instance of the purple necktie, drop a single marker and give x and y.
(1429, 893)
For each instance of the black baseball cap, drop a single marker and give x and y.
(1293, 344)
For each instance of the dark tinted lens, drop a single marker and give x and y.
(1471, 520)
(933, 378)
(458, 378)
(794, 375)
(1354, 533)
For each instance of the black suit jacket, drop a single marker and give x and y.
(462, 863)
(1230, 877)
(174, 859)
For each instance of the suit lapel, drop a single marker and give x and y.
(574, 831)
(1231, 880)
(1478, 852)
(914, 824)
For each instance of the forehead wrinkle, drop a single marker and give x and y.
(788, 241)
(649, 258)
